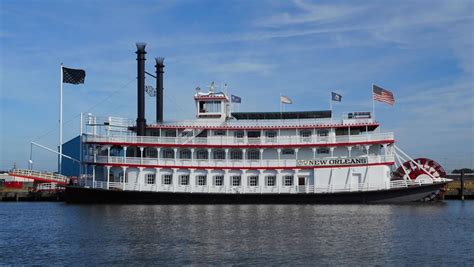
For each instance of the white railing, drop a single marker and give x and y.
(230, 140)
(39, 174)
(216, 163)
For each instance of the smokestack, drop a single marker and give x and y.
(159, 89)
(141, 122)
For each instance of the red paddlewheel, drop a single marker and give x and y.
(416, 172)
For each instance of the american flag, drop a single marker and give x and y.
(382, 95)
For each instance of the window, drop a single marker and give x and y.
(323, 150)
(219, 132)
(271, 180)
(210, 106)
(219, 154)
(236, 154)
(201, 179)
(323, 132)
(168, 153)
(150, 178)
(288, 180)
(218, 180)
(253, 180)
(184, 179)
(253, 134)
(151, 153)
(235, 180)
(185, 154)
(305, 133)
(170, 133)
(167, 178)
(253, 154)
(288, 151)
(239, 134)
(270, 134)
(201, 154)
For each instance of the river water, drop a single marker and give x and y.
(58, 233)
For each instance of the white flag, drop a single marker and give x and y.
(285, 100)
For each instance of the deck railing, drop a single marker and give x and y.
(49, 176)
(230, 140)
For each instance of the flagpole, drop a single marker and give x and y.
(373, 103)
(60, 122)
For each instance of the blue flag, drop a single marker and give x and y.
(336, 97)
(235, 99)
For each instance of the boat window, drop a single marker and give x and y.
(166, 179)
(239, 134)
(219, 154)
(201, 179)
(323, 132)
(151, 153)
(210, 106)
(150, 178)
(288, 180)
(305, 133)
(342, 131)
(184, 179)
(271, 180)
(235, 180)
(202, 154)
(288, 151)
(170, 133)
(253, 154)
(218, 180)
(236, 154)
(168, 153)
(323, 150)
(219, 132)
(270, 134)
(253, 180)
(185, 154)
(253, 134)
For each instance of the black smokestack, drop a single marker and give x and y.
(141, 122)
(159, 88)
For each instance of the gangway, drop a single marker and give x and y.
(40, 176)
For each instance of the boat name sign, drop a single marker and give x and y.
(337, 162)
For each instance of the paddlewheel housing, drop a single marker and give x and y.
(419, 172)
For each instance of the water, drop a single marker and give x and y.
(58, 233)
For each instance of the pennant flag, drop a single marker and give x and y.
(235, 99)
(382, 95)
(336, 97)
(285, 100)
(74, 76)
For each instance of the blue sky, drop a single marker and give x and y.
(421, 50)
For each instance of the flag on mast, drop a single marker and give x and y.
(382, 95)
(285, 100)
(73, 76)
(336, 97)
(235, 99)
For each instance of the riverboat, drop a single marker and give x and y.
(227, 157)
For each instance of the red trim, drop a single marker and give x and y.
(37, 179)
(210, 97)
(236, 168)
(243, 146)
(281, 127)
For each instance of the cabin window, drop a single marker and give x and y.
(288, 180)
(210, 106)
(270, 134)
(218, 180)
(202, 154)
(219, 132)
(288, 151)
(151, 153)
(235, 180)
(253, 180)
(271, 180)
(170, 133)
(168, 153)
(166, 179)
(150, 178)
(323, 150)
(323, 132)
(305, 133)
(185, 154)
(155, 133)
(239, 134)
(236, 154)
(184, 179)
(342, 131)
(253, 154)
(219, 154)
(253, 134)
(201, 179)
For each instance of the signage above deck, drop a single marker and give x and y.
(333, 162)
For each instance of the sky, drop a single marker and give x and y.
(422, 51)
